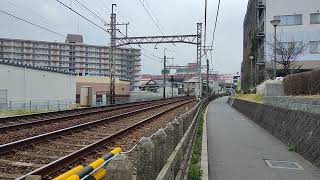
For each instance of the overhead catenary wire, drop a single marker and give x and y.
(95, 24)
(29, 22)
(30, 11)
(156, 58)
(205, 22)
(90, 21)
(215, 24)
(93, 13)
(156, 24)
(154, 14)
(140, 46)
(214, 32)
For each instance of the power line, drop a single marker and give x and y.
(94, 23)
(151, 58)
(94, 14)
(107, 31)
(31, 11)
(154, 14)
(205, 22)
(156, 58)
(215, 24)
(214, 32)
(29, 22)
(157, 25)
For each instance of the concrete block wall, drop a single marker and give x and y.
(311, 105)
(151, 154)
(274, 89)
(164, 155)
(292, 127)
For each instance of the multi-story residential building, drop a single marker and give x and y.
(74, 56)
(300, 22)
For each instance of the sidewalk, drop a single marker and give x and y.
(238, 148)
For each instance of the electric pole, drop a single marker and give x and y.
(112, 58)
(207, 77)
(172, 86)
(164, 74)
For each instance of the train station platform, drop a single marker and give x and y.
(238, 149)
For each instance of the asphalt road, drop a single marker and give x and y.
(238, 148)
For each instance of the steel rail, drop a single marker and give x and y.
(4, 119)
(57, 118)
(4, 148)
(73, 157)
(81, 112)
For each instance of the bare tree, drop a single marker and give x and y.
(287, 54)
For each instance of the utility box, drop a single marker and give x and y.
(85, 96)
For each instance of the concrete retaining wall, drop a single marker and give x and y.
(292, 127)
(311, 105)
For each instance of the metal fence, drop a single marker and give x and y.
(42, 105)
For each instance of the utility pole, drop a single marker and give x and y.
(199, 51)
(113, 36)
(172, 86)
(207, 78)
(164, 74)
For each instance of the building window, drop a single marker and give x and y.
(290, 20)
(315, 18)
(314, 47)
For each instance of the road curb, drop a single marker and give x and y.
(204, 149)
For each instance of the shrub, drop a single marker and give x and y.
(306, 83)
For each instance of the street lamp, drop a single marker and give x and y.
(251, 75)
(275, 23)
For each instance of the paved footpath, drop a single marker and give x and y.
(238, 148)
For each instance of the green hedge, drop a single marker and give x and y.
(307, 83)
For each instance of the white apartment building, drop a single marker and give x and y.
(300, 22)
(73, 56)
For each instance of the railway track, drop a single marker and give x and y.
(29, 119)
(47, 153)
(37, 126)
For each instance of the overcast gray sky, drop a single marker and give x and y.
(175, 17)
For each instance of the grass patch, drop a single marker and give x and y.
(250, 97)
(292, 148)
(19, 112)
(195, 172)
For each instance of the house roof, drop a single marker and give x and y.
(18, 64)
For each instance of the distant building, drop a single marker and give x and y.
(32, 87)
(182, 73)
(99, 89)
(73, 56)
(300, 21)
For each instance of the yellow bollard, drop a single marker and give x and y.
(73, 177)
(116, 150)
(100, 174)
(69, 173)
(97, 163)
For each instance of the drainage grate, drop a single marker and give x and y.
(284, 165)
